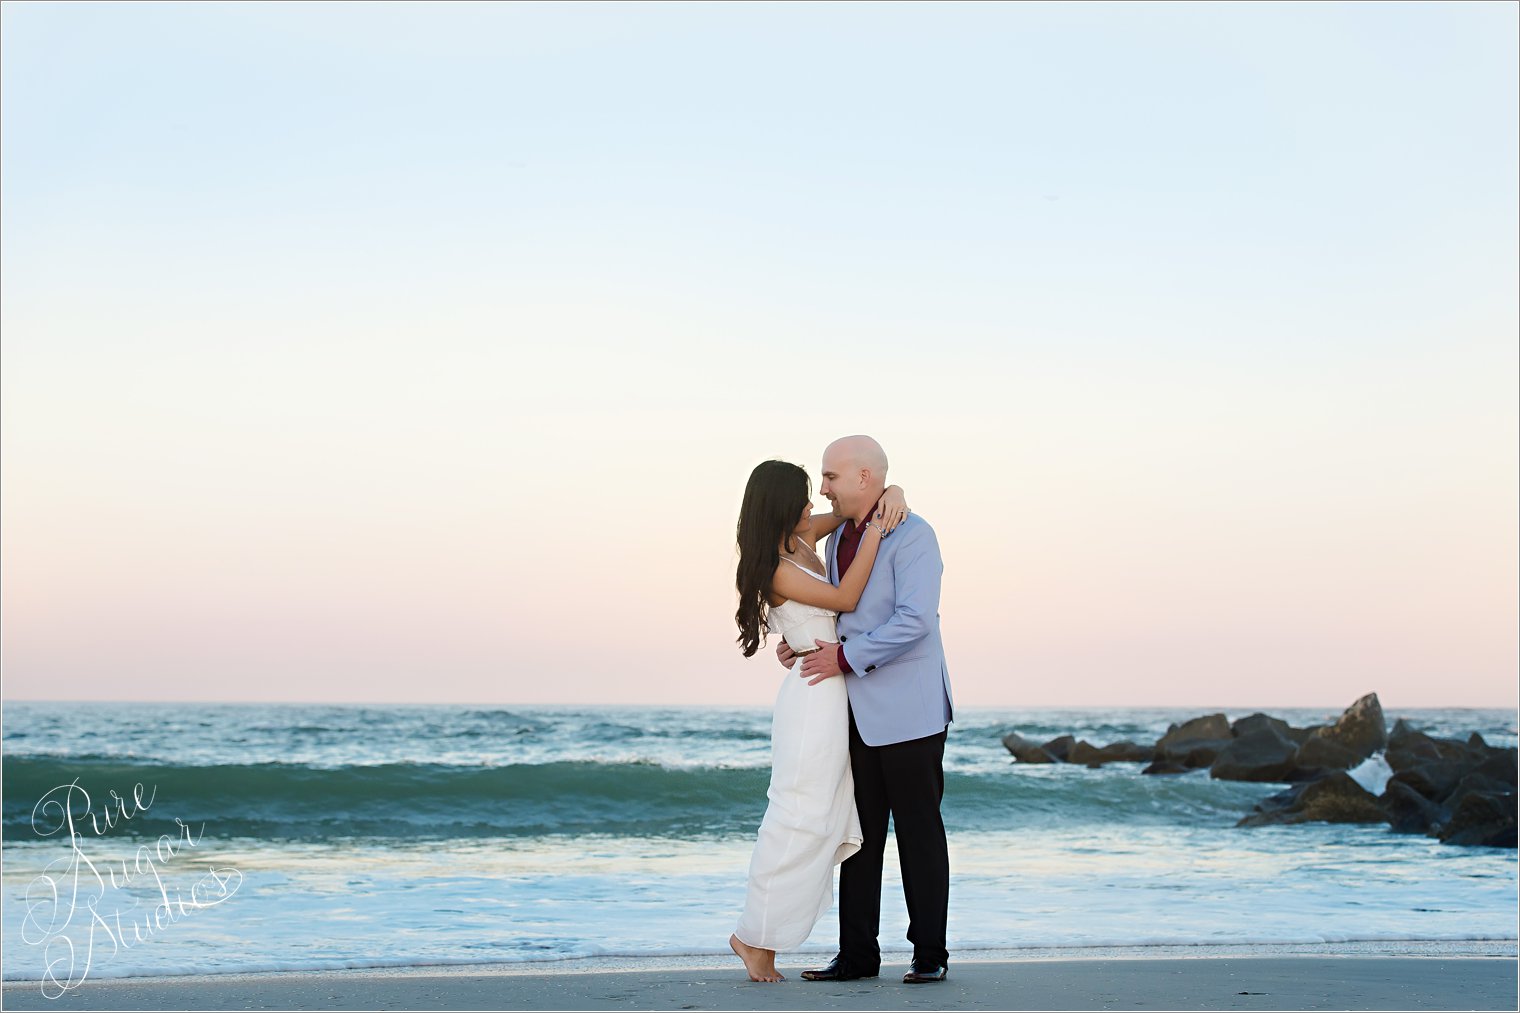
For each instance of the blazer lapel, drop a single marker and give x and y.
(833, 551)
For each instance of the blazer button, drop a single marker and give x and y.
(843, 639)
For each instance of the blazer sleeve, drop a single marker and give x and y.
(916, 570)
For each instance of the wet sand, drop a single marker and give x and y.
(1143, 983)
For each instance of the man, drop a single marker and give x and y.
(890, 655)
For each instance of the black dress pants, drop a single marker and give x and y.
(906, 781)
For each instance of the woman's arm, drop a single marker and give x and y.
(823, 526)
(790, 582)
(890, 512)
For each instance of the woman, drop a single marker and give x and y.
(810, 825)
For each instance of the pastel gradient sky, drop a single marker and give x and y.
(420, 353)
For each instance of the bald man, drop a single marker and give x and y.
(893, 663)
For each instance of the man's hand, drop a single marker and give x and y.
(785, 654)
(821, 664)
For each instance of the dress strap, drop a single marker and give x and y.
(803, 568)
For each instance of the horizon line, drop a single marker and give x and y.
(1210, 708)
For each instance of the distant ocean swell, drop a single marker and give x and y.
(291, 801)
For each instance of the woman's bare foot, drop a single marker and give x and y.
(761, 964)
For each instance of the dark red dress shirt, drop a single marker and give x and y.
(850, 535)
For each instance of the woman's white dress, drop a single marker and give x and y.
(811, 824)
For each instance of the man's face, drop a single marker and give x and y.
(837, 486)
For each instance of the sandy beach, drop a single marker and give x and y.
(1217, 981)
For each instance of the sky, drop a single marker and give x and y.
(421, 352)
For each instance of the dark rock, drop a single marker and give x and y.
(1408, 811)
(1025, 751)
(1405, 735)
(1482, 820)
(1118, 752)
(1209, 728)
(1302, 735)
(1339, 799)
(1160, 766)
(1272, 810)
(1060, 747)
(1193, 755)
(1474, 782)
(1264, 754)
(1360, 729)
(1434, 779)
(1411, 750)
(1408, 748)
(1256, 722)
(1327, 753)
(1499, 765)
(1084, 752)
(1333, 799)
(1195, 743)
(1475, 742)
(1127, 752)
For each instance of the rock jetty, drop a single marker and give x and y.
(1461, 792)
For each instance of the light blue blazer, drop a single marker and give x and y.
(901, 687)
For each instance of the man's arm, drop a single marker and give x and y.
(916, 568)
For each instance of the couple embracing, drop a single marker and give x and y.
(858, 733)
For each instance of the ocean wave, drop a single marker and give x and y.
(295, 801)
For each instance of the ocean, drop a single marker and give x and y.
(300, 836)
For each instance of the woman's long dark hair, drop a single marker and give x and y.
(773, 502)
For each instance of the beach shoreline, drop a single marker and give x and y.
(717, 958)
(1412, 974)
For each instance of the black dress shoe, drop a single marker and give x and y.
(834, 972)
(925, 970)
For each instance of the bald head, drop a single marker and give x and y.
(854, 475)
